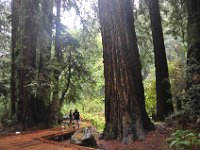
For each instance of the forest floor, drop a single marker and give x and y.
(156, 140)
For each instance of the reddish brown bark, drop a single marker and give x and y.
(28, 35)
(126, 117)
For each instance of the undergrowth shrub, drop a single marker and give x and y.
(150, 96)
(96, 120)
(90, 110)
(184, 140)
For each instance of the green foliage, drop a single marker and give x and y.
(175, 19)
(5, 27)
(150, 93)
(184, 139)
(4, 86)
(97, 120)
(86, 69)
(178, 84)
(90, 110)
(185, 99)
(82, 52)
(85, 106)
(144, 37)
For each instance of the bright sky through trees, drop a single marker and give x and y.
(72, 20)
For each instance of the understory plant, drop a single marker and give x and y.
(96, 120)
(184, 140)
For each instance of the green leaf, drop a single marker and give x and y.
(190, 135)
(186, 143)
(173, 144)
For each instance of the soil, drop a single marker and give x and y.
(156, 140)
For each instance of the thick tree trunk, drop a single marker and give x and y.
(164, 101)
(41, 113)
(28, 46)
(193, 56)
(126, 117)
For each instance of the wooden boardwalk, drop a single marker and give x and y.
(35, 141)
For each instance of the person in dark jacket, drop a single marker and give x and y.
(70, 117)
(76, 116)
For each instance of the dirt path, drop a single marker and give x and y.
(155, 141)
(35, 141)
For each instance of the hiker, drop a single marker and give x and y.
(76, 116)
(70, 117)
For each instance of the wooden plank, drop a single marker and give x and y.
(38, 140)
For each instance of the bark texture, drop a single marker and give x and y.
(32, 22)
(29, 32)
(44, 43)
(126, 117)
(15, 50)
(59, 59)
(164, 102)
(193, 56)
(24, 41)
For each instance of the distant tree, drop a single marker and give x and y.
(59, 62)
(164, 102)
(177, 22)
(15, 50)
(44, 45)
(54, 67)
(5, 39)
(193, 56)
(5, 27)
(125, 113)
(145, 44)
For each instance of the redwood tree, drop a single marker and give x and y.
(125, 113)
(193, 57)
(164, 102)
(24, 43)
(59, 59)
(29, 32)
(44, 43)
(15, 41)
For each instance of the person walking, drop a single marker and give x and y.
(76, 116)
(70, 117)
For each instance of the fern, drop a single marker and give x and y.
(184, 139)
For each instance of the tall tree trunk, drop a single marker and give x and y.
(15, 26)
(55, 102)
(193, 56)
(125, 113)
(164, 102)
(41, 111)
(28, 46)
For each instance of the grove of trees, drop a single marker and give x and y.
(134, 63)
